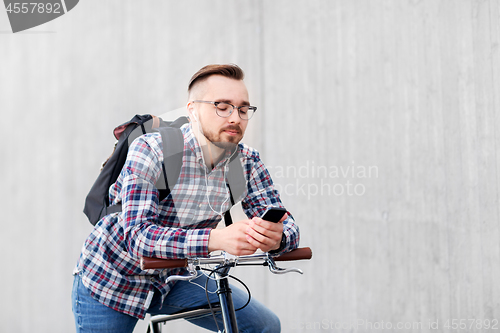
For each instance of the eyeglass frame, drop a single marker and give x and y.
(253, 108)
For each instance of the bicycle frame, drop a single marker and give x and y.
(225, 262)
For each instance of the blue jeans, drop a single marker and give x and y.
(92, 316)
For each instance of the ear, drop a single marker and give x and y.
(191, 110)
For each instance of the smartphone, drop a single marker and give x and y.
(274, 214)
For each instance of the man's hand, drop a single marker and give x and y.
(231, 239)
(246, 236)
(265, 235)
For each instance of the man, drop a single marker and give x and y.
(110, 291)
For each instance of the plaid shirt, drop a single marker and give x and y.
(177, 227)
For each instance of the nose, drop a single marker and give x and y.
(234, 117)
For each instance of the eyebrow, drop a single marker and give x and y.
(245, 103)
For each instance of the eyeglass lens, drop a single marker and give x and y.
(224, 110)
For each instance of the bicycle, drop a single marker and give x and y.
(224, 264)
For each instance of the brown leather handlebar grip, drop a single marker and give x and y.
(154, 263)
(302, 253)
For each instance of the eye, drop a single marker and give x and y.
(223, 106)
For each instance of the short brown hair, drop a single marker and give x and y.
(231, 71)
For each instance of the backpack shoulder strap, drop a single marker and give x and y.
(228, 220)
(235, 178)
(173, 151)
(236, 183)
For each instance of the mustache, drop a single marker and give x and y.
(232, 128)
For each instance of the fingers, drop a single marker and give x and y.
(284, 217)
(240, 245)
(231, 239)
(265, 227)
(246, 236)
(264, 234)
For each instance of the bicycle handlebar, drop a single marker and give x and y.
(303, 253)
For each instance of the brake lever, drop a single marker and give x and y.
(277, 270)
(192, 274)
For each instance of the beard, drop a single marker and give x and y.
(216, 139)
(225, 145)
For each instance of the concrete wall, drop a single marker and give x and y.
(378, 120)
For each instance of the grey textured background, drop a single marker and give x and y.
(378, 120)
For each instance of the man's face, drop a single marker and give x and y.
(223, 132)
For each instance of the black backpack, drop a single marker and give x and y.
(97, 202)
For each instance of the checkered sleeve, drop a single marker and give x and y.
(262, 195)
(143, 234)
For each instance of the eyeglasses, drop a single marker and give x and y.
(224, 109)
